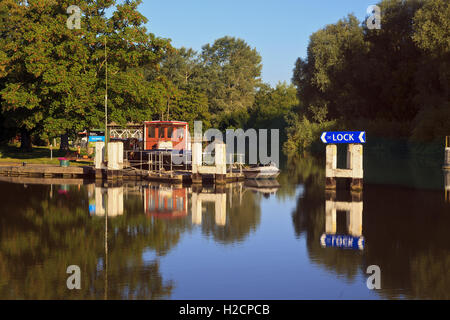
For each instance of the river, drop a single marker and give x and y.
(287, 240)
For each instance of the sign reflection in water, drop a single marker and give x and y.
(132, 254)
(353, 209)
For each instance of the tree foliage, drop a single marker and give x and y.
(232, 72)
(53, 78)
(357, 76)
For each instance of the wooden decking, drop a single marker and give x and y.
(37, 173)
(41, 170)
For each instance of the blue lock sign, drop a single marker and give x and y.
(343, 137)
(96, 138)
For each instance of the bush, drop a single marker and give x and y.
(304, 135)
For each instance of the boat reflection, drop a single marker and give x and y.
(266, 187)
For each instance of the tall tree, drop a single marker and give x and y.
(391, 81)
(232, 74)
(272, 105)
(54, 77)
(180, 73)
(432, 80)
(325, 87)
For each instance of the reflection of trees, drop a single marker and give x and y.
(300, 170)
(309, 219)
(243, 217)
(405, 232)
(407, 236)
(41, 237)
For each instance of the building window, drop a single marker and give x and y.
(161, 132)
(151, 132)
(169, 132)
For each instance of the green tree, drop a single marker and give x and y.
(391, 81)
(432, 36)
(232, 72)
(272, 104)
(54, 78)
(180, 72)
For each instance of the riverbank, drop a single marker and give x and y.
(13, 155)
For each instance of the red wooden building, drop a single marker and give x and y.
(166, 135)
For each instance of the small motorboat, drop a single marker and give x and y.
(269, 171)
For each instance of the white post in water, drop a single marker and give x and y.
(196, 155)
(197, 160)
(356, 165)
(447, 153)
(99, 158)
(115, 156)
(447, 184)
(99, 154)
(220, 162)
(330, 166)
(354, 169)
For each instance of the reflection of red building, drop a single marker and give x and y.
(166, 203)
(166, 135)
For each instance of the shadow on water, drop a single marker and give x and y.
(404, 231)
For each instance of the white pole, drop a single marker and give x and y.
(106, 104)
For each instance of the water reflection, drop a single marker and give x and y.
(105, 199)
(117, 234)
(217, 198)
(405, 233)
(137, 240)
(265, 187)
(349, 237)
(42, 235)
(165, 201)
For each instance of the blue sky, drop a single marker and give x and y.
(279, 30)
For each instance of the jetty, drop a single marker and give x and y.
(46, 171)
(119, 165)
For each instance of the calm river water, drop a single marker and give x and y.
(288, 240)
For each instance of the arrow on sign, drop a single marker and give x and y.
(361, 137)
(343, 137)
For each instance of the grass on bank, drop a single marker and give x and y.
(38, 155)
